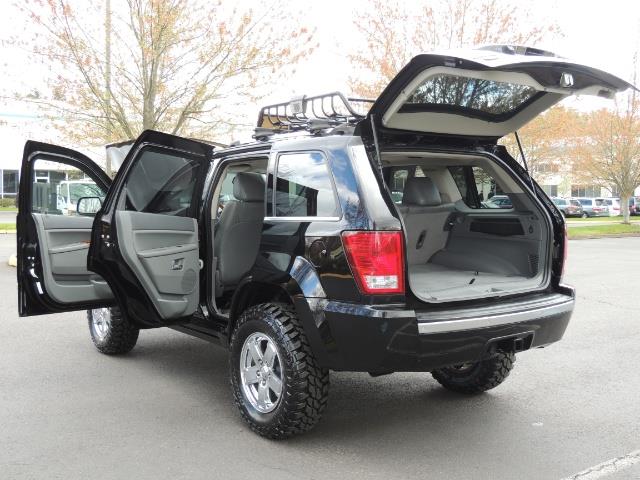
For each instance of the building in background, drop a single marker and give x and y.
(19, 122)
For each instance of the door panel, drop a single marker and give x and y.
(163, 253)
(146, 241)
(64, 243)
(53, 239)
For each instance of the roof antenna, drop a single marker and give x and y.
(524, 160)
(376, 145)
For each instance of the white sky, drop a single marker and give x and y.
(601, 34)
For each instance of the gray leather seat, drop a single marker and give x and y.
(239, 228)
(424, 217)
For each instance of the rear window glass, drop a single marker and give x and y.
(575, 202)
(474, 95)
(600, 202)
(304, 187)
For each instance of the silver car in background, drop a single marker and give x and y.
(594, 207)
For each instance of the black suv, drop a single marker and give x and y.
(337, 240)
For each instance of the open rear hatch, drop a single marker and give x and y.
(473, 226)
(485, 92)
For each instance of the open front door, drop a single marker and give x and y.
(145, 241)
(60, 192)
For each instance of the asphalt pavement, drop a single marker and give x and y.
(165, 410)
(8, 217)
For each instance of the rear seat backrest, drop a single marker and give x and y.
(424, 217)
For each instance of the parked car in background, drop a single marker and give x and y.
(570, 207)
(594, 207)
(614, 206)
(498, 201)
(634, 206)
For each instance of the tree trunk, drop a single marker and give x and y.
(624, 206)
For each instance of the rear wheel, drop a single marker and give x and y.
(277, 385)
(110, 332)
(585, 215)
(476, 377)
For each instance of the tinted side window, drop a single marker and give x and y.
(478, 188)
(304, 187)
(162, 182)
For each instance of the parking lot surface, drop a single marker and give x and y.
(165, 410)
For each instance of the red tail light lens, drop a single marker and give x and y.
(376, 260)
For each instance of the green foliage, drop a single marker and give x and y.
(595, 231)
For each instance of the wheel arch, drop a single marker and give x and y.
(303, 284)
(251, 293)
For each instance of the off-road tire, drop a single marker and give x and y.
(305, 385)
(121, 337)
(479, 377)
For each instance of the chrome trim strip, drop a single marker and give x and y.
(426, 328)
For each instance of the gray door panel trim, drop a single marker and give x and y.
(64, 259)
(162, 250)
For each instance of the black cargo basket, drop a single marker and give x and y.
(312, 113)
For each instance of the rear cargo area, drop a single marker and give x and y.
(460, 244)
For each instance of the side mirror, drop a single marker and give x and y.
(88, 206)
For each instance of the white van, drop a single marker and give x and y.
(69, 191)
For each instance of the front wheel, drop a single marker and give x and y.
(476, 377)
(111, 332)
(277, 385)
(585, 215)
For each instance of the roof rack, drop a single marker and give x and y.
(311, 113)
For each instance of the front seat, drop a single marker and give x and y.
(238, 232)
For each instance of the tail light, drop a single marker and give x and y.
(376, 260)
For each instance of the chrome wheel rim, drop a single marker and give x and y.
(101, 322)
(261, 372)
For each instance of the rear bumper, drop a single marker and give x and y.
(382, 339)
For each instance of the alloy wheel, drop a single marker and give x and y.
(261, 372)
(101, 322)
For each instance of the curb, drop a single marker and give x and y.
(611, 235)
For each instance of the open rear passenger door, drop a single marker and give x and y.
(145, 241)
(60, 192)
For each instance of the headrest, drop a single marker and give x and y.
(421, 191)
(248, 187)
